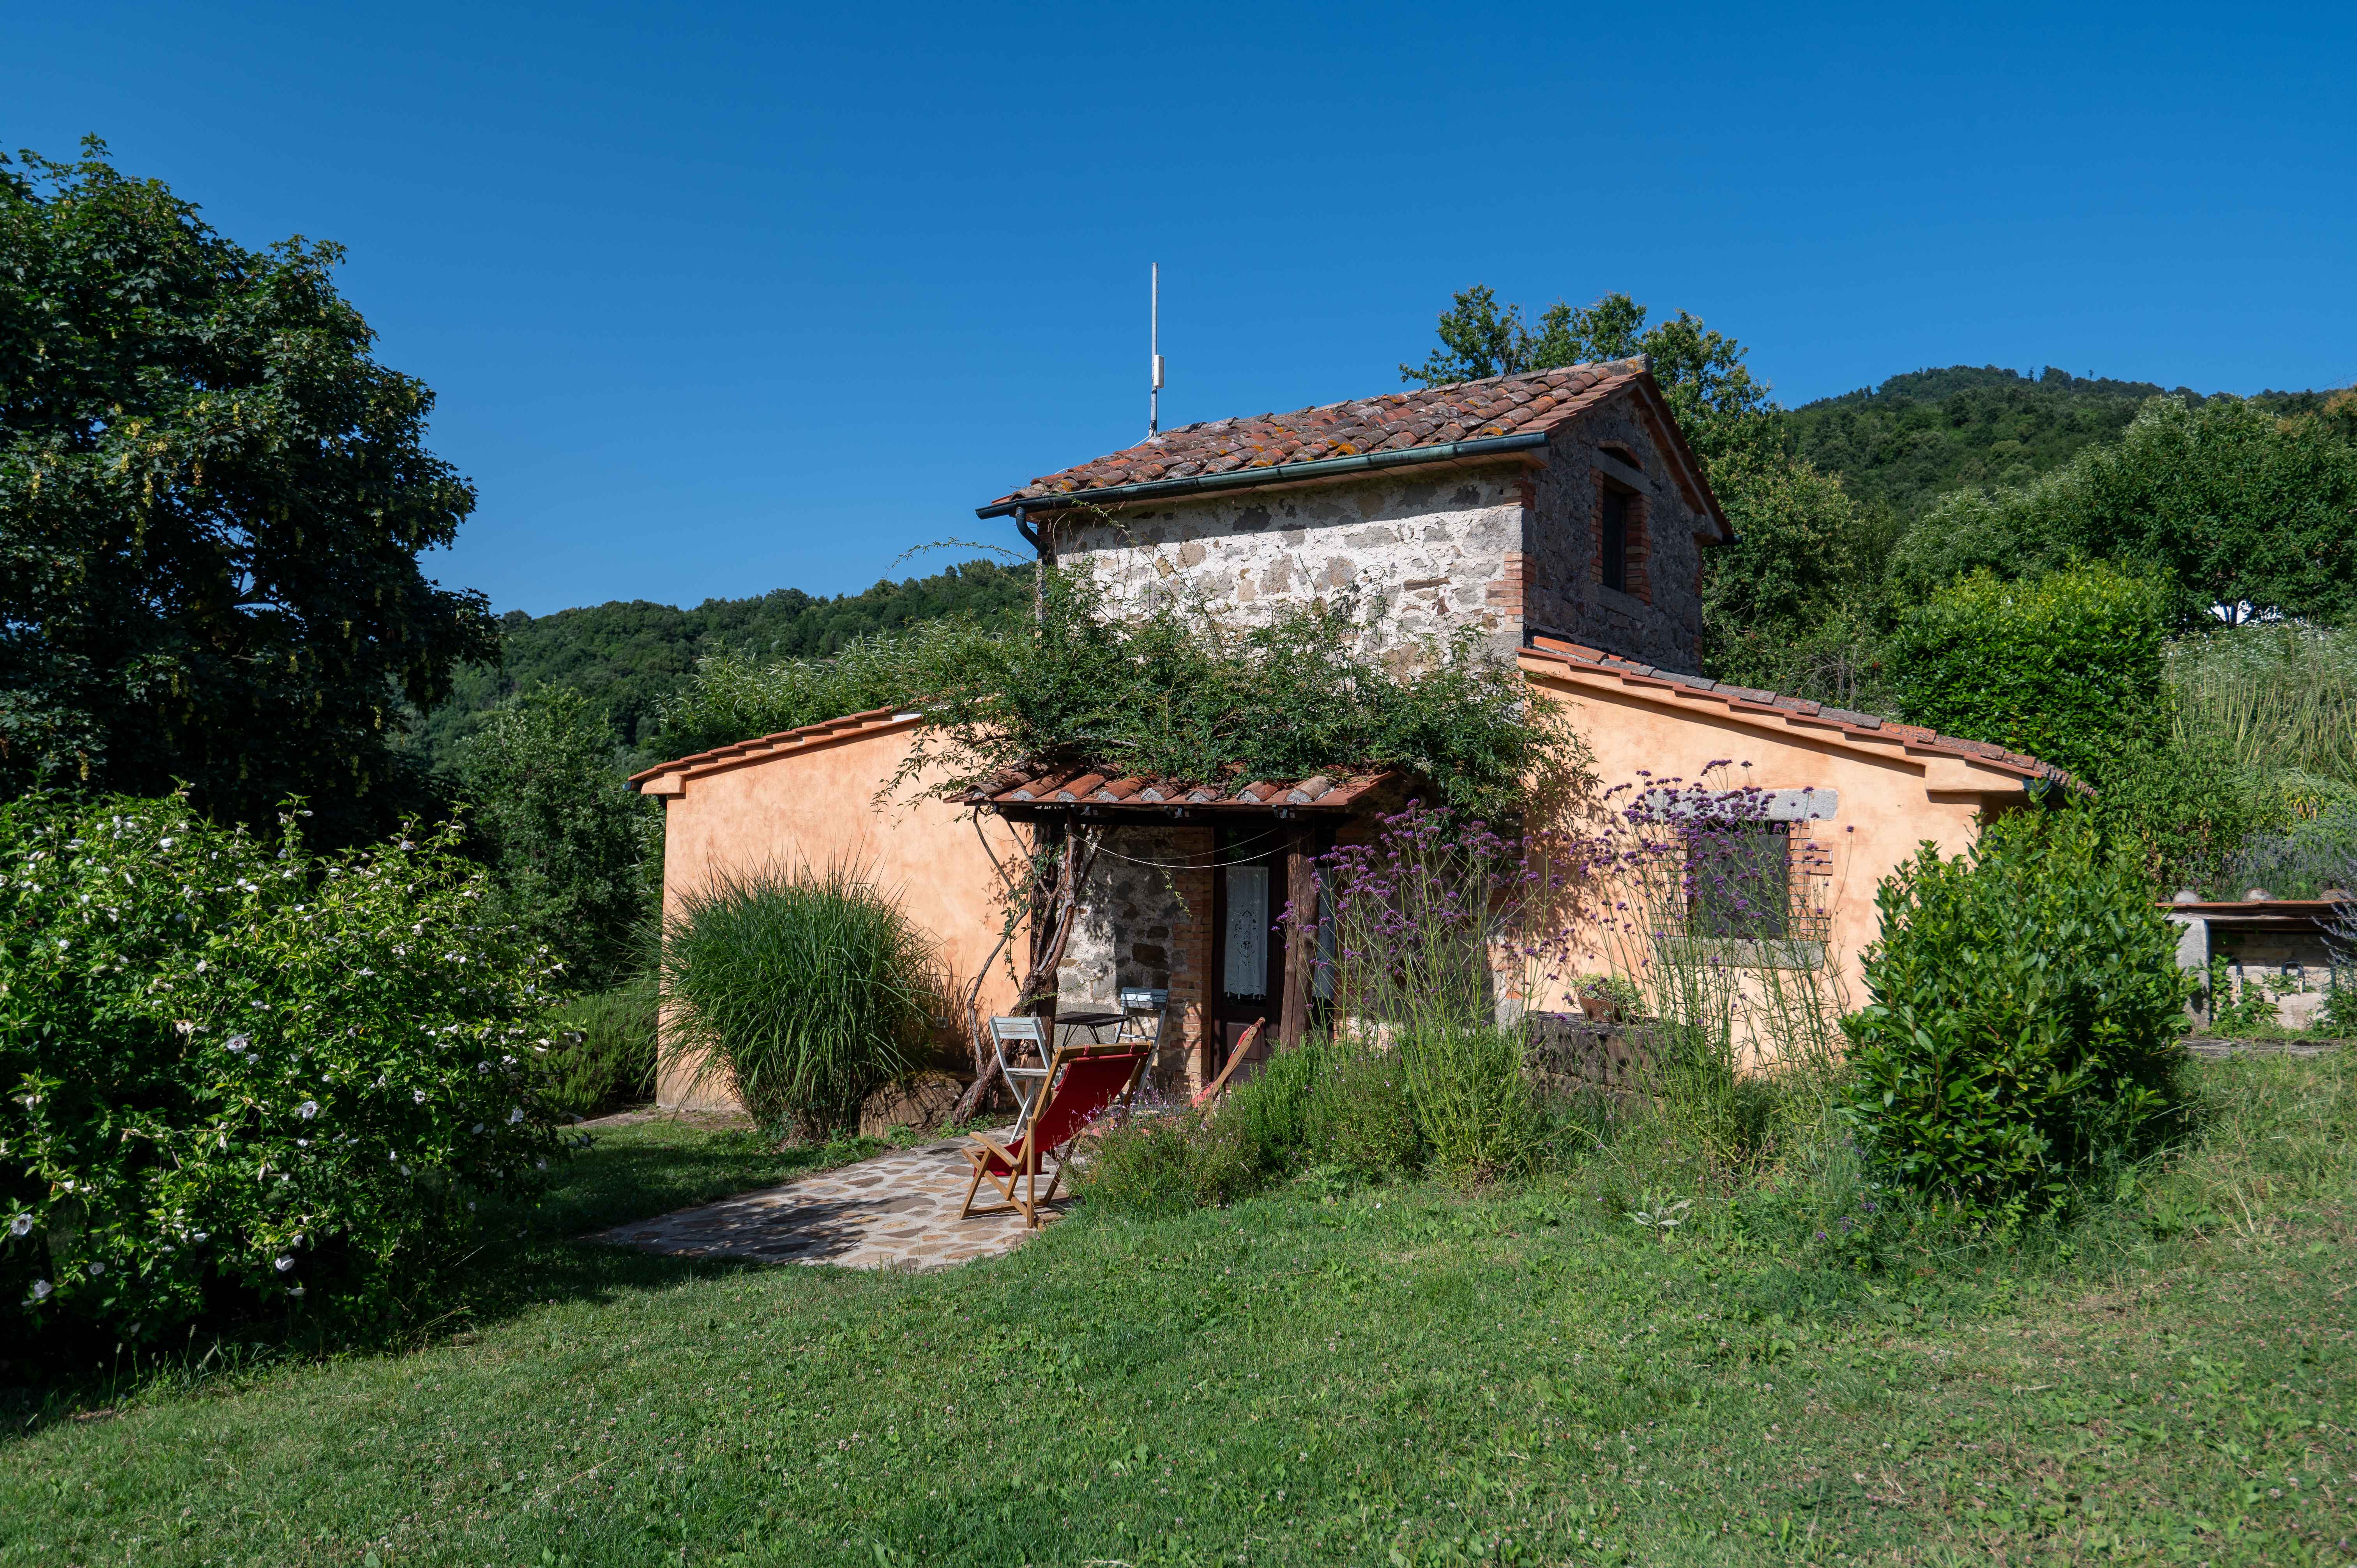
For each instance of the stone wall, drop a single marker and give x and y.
(1567, 1054)
(2292, 968)
(1145, 920)
(1493, 545)
(1421, 556)
(1659, 619)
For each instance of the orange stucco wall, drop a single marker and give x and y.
(818, 806)
(1889, 802)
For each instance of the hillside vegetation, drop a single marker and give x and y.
(1921, 435)
(1897, 446)
(625, 657)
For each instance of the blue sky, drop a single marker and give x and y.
(722, 298)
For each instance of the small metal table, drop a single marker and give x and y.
(1095, 1023)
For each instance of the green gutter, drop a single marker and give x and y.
(1283, 473)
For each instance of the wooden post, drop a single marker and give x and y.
(1301, 897)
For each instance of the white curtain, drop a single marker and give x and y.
(1246, 958)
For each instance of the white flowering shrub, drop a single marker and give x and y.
(237, 1076)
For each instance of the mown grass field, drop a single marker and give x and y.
(1396, 1376)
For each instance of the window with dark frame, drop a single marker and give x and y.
(1615, 549)
(1739, 880)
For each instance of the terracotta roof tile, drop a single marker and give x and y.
(1431, 416)
(1051, 787)
(721, 758)
(1864, 725)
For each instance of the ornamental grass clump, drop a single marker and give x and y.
(2023, 1037)
(239, 1078)
(800, 991)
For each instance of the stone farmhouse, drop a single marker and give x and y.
(1560, 516)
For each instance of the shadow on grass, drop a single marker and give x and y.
(520, 1257)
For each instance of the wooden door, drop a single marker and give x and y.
(1247, 954)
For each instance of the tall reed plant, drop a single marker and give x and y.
(800, 991)
(2281, 695)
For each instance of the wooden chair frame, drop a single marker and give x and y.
(1023, 1161)
(1244, 1048)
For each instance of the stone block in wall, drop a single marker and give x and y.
(1567, 1054)
(921, 1101)
(1145, 923)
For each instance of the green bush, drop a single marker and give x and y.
(802, 991)
(1360, 1120)
(2023, 1031)
(565, 833)
(1473, 1106)
(239, 1076)
(2179, 808)
(2064, 668)
(604, 1055)
(1164, 693)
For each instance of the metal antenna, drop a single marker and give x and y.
(1154, 348)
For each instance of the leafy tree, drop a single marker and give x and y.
(1785, 606)
(1702, 372)
(1479, 339)
(570, 842)
(2238, 507)
(631, 658)
(2063, 667)
(213, 501)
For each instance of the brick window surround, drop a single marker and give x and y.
(1636, 550)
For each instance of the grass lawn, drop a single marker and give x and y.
(1397, 1376)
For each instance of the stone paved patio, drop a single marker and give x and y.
(896, 1211)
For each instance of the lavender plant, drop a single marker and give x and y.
(1709, 908)
(1432, 958)
(240, 1077)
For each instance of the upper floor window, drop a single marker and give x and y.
(1618, 505)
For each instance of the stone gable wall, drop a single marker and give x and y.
(1423, 556)
(1659, 620)
(1495, 546)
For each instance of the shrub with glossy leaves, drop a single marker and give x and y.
(2064, 667)
(240, 1077)
(2023, 1032)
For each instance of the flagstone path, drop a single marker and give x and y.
(896, 1211)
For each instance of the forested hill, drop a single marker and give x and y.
(1898, 445)
(625, 657)
(1926, 432)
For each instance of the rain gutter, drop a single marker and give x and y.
(1280, 474)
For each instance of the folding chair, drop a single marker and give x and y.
(1082, 1081)
(1244, 1048)
(1009, 1036)
(1145, 1017)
